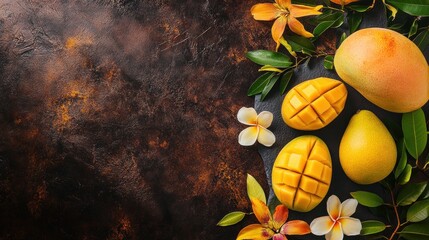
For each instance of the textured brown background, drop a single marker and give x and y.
(118, 117)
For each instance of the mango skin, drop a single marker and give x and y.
(314, 103)
(367, 150)
(384, 66)
(302, 173)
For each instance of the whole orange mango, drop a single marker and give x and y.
(384, 66)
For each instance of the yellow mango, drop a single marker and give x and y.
(367, 150)
(302, 173)
(313, 104)
(384, 66)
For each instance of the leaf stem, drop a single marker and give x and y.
(335, 9)
(402, 224)
(395, 208)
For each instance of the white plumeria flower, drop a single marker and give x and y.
(258, 127)
(339, 222)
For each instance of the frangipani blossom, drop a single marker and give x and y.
(258, 127)
(284, 13)
(339, 222)
(343, 2)
(274, 226)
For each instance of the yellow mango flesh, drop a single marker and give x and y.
(385, 67)
(313, 104)
(302, 173)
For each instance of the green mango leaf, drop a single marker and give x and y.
(328, 16)
(367, 199)
(231, 218)
(405, 175)
(396, 27)
(259, 84)
(354, 19)
(422, 39)
(269, 68)
(266, 57)
(342, 38)
(322, 27)
(284, 81)
(336, 22)
(410, 193)
(371, 227)
(425, 193)
(415, 132)
(269, 86)
(416, 231)
(328, 62)
(412, 7)
(300, 44)
(419, 211)
(413, 28)
(254, 189)
(402, 160)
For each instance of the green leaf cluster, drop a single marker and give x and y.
(275, 66)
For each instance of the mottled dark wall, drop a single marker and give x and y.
(118, 118)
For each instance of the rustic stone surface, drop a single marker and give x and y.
(118, 118)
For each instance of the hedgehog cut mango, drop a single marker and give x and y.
(302, 173)
(314, 103)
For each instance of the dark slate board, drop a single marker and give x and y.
(331, 134)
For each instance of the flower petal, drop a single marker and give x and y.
(264, 11)
(334, 207)
(348, 207)
(265, 119)
(280, 216)
(261, 211)
(278, 28)
(266, 137)
(279, 236)
(343, 2)
(298, 28)
(284, 3)
(351, 226)
(321, 225)
(295, 227)
(336, 233)
(254, 231)
(297, 11)
(248, 136)
(247, 116)
(339, 2)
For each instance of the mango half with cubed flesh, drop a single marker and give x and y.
(314, 103)
(384, 66)
(302, 173)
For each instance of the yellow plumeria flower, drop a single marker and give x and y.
(343, 2)
(339, 222)
(284, 13)
(258, 127)
(274, 226)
